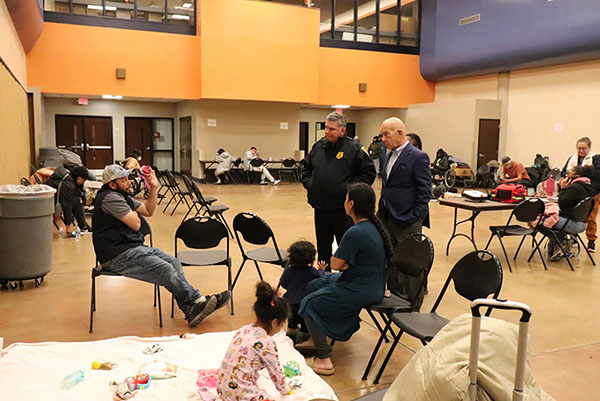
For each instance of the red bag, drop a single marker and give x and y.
(509, 193)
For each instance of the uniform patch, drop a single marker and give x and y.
(339, 155)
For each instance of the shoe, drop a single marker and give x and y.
(320, 371)
(86, 231)
(591, 247)
(222, 299)
(276, 182)
(218, 183)
(263, 183)
(557, 254)
(201, 310)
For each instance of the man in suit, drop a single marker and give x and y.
(405, 193)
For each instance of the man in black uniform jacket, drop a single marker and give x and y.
(333, 162)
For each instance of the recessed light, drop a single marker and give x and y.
(180, 17)
(340, 106)
(186, 5)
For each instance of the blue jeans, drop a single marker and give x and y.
(572, 227)
(154, 266)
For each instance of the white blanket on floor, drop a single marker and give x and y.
(35, 371)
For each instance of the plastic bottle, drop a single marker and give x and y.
(72, 379)
(78, 234)
(550, 187)
(61, 233)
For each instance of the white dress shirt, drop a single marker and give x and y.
(392, 157)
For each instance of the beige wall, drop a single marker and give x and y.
(315, 115)
(116, 109)
(369, 122)
(11, 51)
(14, 130)
(532, 102)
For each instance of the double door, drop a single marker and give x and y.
(89, 137)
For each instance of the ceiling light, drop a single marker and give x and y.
(112, 97)
(180, 17)
(99, 8)
(340, 106)
(110, 8)
(186, 5)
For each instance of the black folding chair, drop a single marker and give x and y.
(477, 275)
(413, 256)
(289, 167)
(258, 162)
(147, 231)
(25, 182)
(199, 202)
(179, 195)
(527, 211)
(254, 230)
(163, 190)
(579, 213)
(206, 204)
(202, 234)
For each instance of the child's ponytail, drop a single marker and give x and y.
(268, 305)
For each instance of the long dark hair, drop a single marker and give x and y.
(268, 305)
(363, 197)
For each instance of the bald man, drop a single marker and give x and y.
(405, 192)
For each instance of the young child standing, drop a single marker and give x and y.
(253, 349)
(295, 277)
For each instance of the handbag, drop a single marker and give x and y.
(58, 209)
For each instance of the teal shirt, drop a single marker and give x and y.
(334, 302)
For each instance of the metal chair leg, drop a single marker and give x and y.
(92, 303)
(237, 275)
(258, 270)
(388, 356)
(157, 293)
(375, 350)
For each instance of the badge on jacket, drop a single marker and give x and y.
(339, 155)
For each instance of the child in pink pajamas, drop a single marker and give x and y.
(253, 349)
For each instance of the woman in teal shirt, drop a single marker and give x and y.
(334, 302)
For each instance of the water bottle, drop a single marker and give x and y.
(78, 234)
(61, 233)
(550, 187)
(72, 379)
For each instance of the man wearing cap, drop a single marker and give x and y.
(119, 244)
(513, 172)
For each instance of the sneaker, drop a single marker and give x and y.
(263, 183)
(557, 254)
(201, 310)
(86, 231)
(218, 183)
(591, 247)
(276, 182)
(222, 299)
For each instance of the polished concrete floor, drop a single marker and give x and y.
(564, 332)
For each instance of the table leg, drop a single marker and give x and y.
(457, 223)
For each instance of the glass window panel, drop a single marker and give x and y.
(409, 25)
(163, 160)
(344, 20)
(151, 10)
(88, 7)
(123, 9)
(325, 8)
(164, 128)
(180, 12)
(367, 21)
(61, 6)
(388, 22)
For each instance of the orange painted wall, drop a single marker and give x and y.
(259, 50)
(393, 80)
(76, 59)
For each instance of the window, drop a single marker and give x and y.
(383, 25)
(175, 16)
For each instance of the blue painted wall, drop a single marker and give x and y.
(511, 34)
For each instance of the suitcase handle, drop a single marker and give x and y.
(501, 304)
(518, 391)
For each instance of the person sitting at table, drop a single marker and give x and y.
(225, 160)
(571, 192)
(513, 172)
(251, 155)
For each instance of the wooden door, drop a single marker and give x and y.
(69, 134)
(185, 145)
(98, 139)
(139, 135)
(303, 137)
(489, 137)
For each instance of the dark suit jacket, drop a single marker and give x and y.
(406, 192)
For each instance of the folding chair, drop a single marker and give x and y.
(258, 162)
(147, 231)
(477, 275)
(579, 213)
(179, 195)
(206, 204)
(198, 202)
(413, 256)
(25, 181)
(203, 234)
(256, 231)
(527, 211)
(164, 184)
(289, 166)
